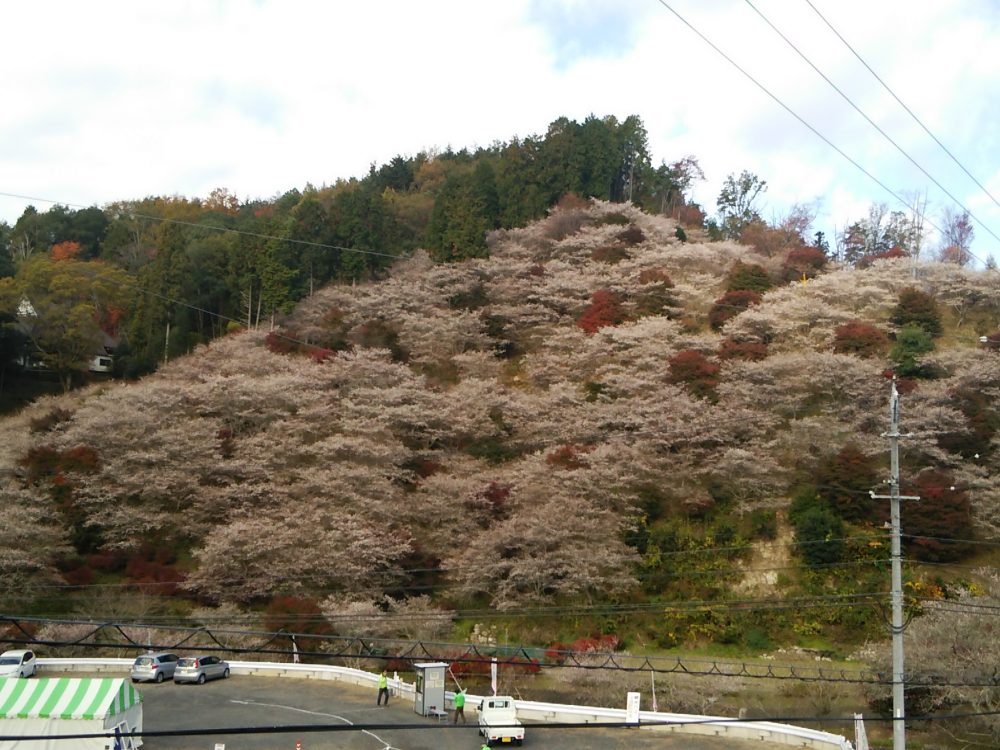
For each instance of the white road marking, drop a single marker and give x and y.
(385, 745)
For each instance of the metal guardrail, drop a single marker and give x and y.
(658, 721)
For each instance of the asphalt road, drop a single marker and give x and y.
(243, 701)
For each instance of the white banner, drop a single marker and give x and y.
(632, 708)
(493, 675)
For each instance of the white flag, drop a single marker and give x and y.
(493, 675)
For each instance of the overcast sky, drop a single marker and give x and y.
(119, 100)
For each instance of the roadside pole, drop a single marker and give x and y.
(898, 683)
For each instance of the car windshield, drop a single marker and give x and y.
(9, 660)
(187, 662)
(143, 661)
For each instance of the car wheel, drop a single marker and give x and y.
(159, 676)
(201, 679)
(225, 675)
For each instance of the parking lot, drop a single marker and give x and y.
(243, 701)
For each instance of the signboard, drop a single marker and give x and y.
(632, 708)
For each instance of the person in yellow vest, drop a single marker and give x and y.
(383, 689)
(459, 706)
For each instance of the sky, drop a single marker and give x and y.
(122, 100)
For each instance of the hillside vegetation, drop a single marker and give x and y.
(580, 418)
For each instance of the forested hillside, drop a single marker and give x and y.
(598, 413)
(185, 268)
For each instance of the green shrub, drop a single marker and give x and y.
(911, 343)
(763, 524)
(917, 309)
(819, 535)
(614, 218)
(756, 639)
(748, 277)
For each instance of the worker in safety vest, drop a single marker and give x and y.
(383, 689)
(459, 706)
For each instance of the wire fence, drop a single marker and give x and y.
(116, 636)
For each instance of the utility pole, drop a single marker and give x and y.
(898, 693)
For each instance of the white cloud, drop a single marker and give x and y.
(123, 100)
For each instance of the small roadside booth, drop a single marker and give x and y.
(55, 707)
(429, 689)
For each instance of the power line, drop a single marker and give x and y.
(327, 647)
(900, 101)
(788, 109)
(871, 122)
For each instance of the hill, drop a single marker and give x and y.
(598, 414)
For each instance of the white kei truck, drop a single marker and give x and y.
(498, 721)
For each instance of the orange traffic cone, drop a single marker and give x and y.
(298, 744)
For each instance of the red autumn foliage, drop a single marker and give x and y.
(320, 354)
(609, 254)
(844, 480)
(655, 276)
(154, 569)
(896, 252)
(153, 577)
(860, 339)
(631, 236)
(82, 458)
(41, 462)
(278, 343)
(425, 467)
(982, 419)
(691, 216)
(572, 202)
(694, 370)
(558, 652)
(537, 270)
(748, 351)
(803, 262)
(67, 250)
(729, 305)
(905, 386)
(769, 241)
(81, 576)
(468, 667)
(605, 309)
(498, 496)
(568, 457)
(107, 561)
(935, 526)
(45, 462)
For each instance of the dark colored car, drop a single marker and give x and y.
(155, 667)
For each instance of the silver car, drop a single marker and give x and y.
(155, 667)
(200, 668)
